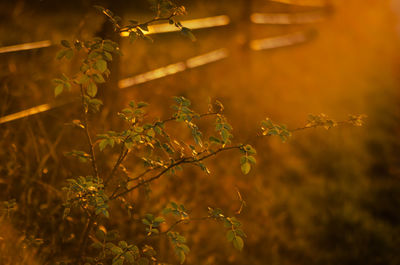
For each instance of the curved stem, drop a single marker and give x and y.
(185, 160)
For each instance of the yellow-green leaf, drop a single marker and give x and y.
(238, 243)
(59, 88)
(91, 89)
(101, 65)
(246, 168)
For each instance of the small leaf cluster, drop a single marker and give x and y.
(247, 159)
(120, 253)
(7, 207)
(320, 120)
(61, 84)
(67, 52)
(224, 129)
(87, 193)
(93, 69)
(136, 134)
(152, 223)
(270, 129)
(177, 210)
(165, 10)
(186, 115)
(357, 119)
(165, 7)
(180, 247)
(234, 234)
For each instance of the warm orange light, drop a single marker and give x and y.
(152, 75)
(279, 41)
(25, 113)
(285, 19)
(171, 69)
(316, 3)
(26, 46)
(207, 58)
(199, 23)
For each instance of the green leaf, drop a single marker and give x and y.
(250, 150)
(98, 78)
(101, 65)
(214, 140)
(61, 54)
(107, 56)
(108, 47)
(58, 90)
(246, 168)
(123, 244)
(97, 245)
(188, 33)
(91, 89)
(129, 257)
(159, 219)
(251, 159)
(185, 248)
(238, 243)
(66, 44)
(116, 250)
(181, 255)
(230, 235)
(103, 143)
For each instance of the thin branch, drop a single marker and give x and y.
(156, 19)
(340, 123)
(124, 152)
(89, 139)
(185, 221)
(185, 160)
(84, 238)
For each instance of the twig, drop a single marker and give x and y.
(89, 139)
(185, 160)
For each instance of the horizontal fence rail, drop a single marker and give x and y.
(200, 60)
(193, 62)
(26, 46)
(171, 69)
(310, 3)
(282, 40)
(32, 111)
(200, 23)
(287, 19)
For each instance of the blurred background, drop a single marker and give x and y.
(325, 197)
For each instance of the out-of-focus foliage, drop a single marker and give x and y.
(321, 198)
